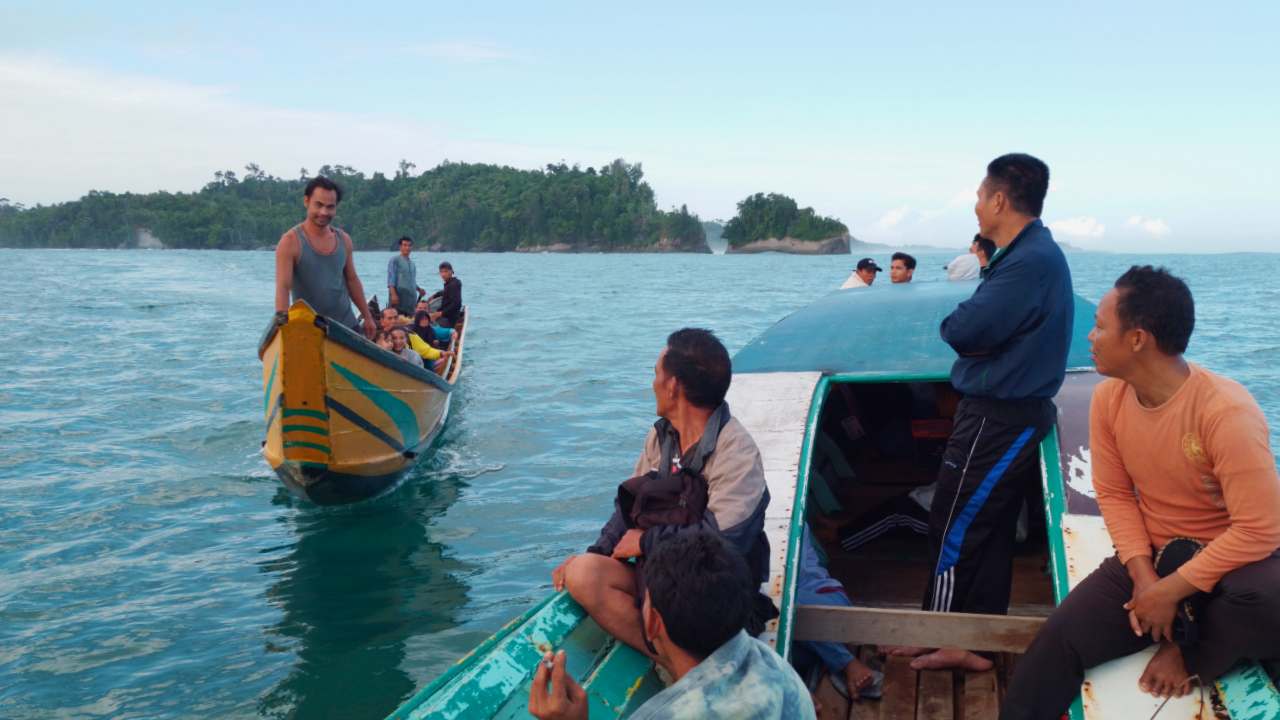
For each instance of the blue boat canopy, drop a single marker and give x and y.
(889, 330)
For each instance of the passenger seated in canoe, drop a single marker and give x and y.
(697, 444)
(433, 334)
(383, 340)
(450, 298)
(1184, 473)
(400, 346)
(696, 602)
(815, 586)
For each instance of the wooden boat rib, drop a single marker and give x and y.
(346, 419)
(785, 383)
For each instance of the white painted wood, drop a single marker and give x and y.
(774, 408)
(1111, 690)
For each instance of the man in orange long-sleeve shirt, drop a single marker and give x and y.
(1177, 452)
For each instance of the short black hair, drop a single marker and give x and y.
(698, 361)
(906, 259)
(446, 265)
(986, 244)
(700, 586)
(323, 183)
(404, 239)
(1159, 302)
(1023, 179)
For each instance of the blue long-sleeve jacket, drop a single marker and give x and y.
(1014, 333)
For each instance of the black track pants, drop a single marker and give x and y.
(991, 460)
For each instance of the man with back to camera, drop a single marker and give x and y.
(696, 432)
(696, 602)
(314, 262)
(901, 268)
(402, 279)
(1183, 470)
(969, 265)
(1012, 338)
(863, 274)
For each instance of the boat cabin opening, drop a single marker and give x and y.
(875, 453)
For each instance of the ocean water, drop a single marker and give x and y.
(152, 566)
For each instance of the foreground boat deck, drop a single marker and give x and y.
(924, 695)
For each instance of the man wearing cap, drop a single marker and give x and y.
(863, 276)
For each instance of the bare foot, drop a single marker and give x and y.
(951, 659)
(903, 650)
(1166, 674)
(857, 677)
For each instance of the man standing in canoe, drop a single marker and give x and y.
(1012, 338)
(314, 262)
(1187, 486)
(402, 280)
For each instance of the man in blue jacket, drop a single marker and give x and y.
(1012, 338)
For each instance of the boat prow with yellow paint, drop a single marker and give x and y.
(345, 418)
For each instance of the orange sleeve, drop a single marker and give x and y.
(1238, 445)
(1111, 482)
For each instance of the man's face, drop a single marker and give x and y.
(445, 274)
(321, 206)
(398, 340)
(868, 275)
(987, 208)
(664, 387)
(421, 306)
(973, 247)
(389, 318)
(899, 272)
(405, 247)
(1110, 344)
(384, 341)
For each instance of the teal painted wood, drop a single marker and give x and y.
(890, 330)
(493, 680)
(1249, 694)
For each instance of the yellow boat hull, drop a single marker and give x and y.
(345, 419)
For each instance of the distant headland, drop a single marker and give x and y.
(454, 206)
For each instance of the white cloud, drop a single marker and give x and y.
(892, 218)
(1155, 227)
(69, 129)
(462, 51)
(1078, 227)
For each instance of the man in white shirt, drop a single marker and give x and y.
(863, 275)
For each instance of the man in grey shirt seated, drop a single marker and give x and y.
(697, 599)
(697, 433)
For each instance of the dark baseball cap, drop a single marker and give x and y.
(868, 263)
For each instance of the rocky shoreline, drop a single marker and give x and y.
(836, 245)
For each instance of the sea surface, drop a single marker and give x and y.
(152, 566)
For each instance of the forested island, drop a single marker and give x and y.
(454, 206)
(775, 223)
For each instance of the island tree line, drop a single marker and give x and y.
(454, 206)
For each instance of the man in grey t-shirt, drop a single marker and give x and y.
(402, 280)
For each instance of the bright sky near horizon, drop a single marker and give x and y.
(1158, 121)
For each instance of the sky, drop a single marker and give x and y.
(1158, 120)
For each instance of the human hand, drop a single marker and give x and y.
(629, 545)
(565, 701)
(395, 299)
(370, 327)
(1152, 609)
(557, 575)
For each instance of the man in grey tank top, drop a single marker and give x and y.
(314, 262)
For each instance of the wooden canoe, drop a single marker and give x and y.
(346, 419)
(785, 384)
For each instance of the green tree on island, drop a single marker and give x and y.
(455, 206)
(763, 216)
